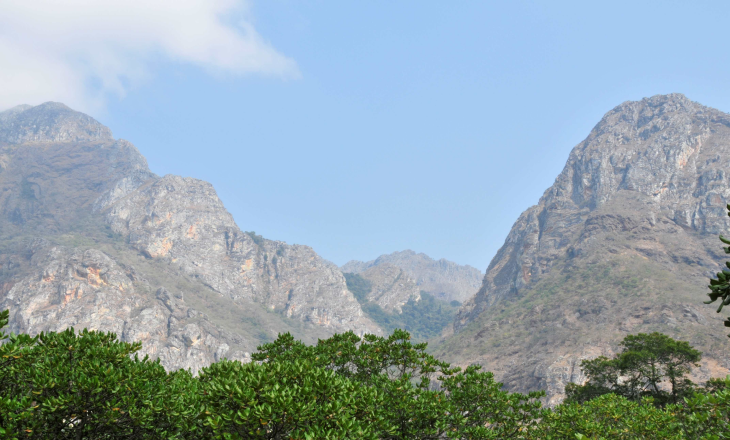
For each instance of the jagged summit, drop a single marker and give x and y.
(635, 111)
(667, 148)
(622, 242)
(50, 122)
(442, 278)
(91, 238)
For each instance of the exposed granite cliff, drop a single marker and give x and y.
(443, 279)
(89, 237)
(623, 242)
(391, 287)
(182, 221)
(70, 287)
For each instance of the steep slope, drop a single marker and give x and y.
(443, 279)
(182, 221)
(89, 237)
(54, 163)
(623, 242)
(391, 287)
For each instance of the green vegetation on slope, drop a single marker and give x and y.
(424, 319)
(639, 370)
(87, 386)
(359, 286)
(720, 286)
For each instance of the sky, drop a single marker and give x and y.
(363, 128)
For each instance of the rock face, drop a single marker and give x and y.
(89, 237)
(183, 222)
(391, 287)
(54, 163)
(50, 123)
(623, 242)
(70, 287)
(443, 279)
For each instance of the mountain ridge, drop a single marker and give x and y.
(91, 237)
(441, 278)
(623, 242)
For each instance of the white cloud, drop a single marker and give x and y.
(80, 51)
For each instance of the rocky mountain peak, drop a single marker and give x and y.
(391, 287)
(622, 242)
(667, 149)
(50, 122)
(441, 278)
(155, 259)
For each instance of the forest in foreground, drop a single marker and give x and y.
(90, 385)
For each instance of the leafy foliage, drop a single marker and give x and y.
(69, 386)
(646, 361)
(91, 386)
(609, 417)
(720, 287)
(459, 404)
(284, 400)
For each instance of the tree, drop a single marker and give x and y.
(422, 397)
(706, 415)
(86, 386)
(12, 405)
(646, 362)
(285, 400)
(609, 417)
(720, 287)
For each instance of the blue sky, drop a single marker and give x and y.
(363, 128)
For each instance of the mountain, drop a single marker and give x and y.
(90, 237)
(390, 287)
(443, 279)
(623, 242)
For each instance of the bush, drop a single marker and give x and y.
(460, 405)
(257, 239)
(609, 417)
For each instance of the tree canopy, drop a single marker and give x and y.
(645, 364)
(89, 385)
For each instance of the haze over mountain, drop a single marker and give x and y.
(443, 279)
(89, 237)
(623, 242)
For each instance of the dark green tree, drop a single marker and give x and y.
(422, 397)
(646, 362)
(284, 400)
(720, 287)
(87, 386)
(609, 417)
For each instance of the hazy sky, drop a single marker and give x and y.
(362, 128)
